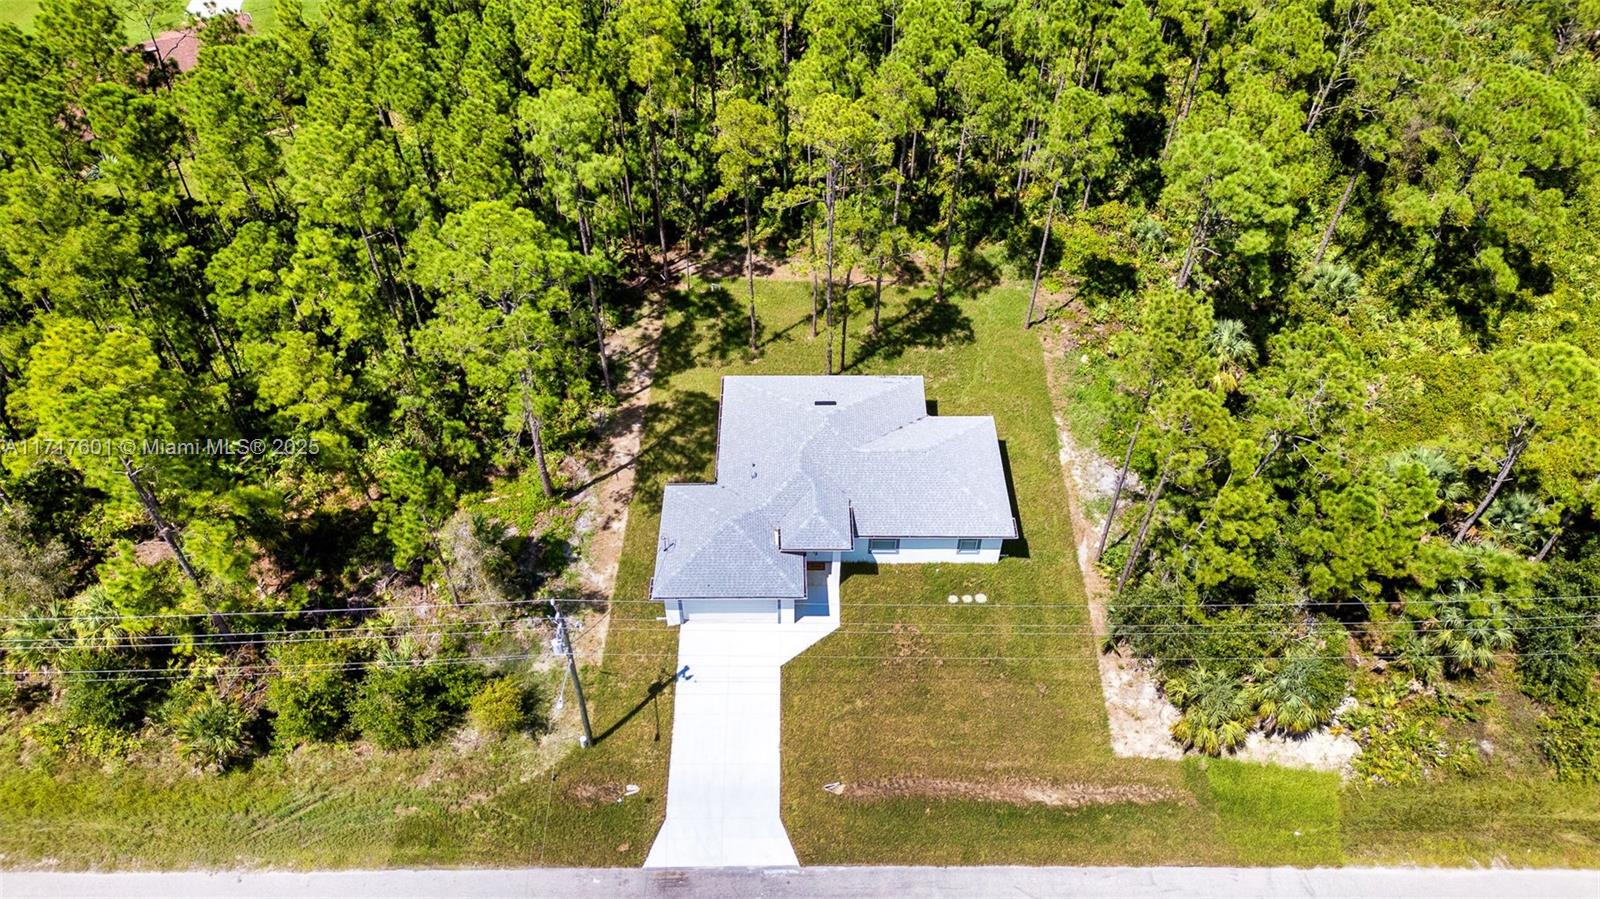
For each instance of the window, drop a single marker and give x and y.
(883, 545)
(968, 546)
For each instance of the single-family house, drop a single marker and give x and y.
(815, 471)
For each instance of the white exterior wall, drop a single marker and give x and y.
(926, 549)
(913, 550)
(681, 610)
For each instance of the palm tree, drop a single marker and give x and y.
(1217, 716)
(1231, 346)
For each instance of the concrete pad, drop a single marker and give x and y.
(725, 776)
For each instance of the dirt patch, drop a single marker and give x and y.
(472, 800)
(1014, 791)
(1139, 717)
(909, 646)
(589, 795)
(607, 477)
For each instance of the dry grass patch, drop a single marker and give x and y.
(1015, 791)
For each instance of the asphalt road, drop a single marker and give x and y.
(847, 883)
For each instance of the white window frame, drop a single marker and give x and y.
(883, 546)
(968, 546)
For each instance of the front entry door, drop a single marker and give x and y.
(816, 600)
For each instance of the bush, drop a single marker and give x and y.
(100, 698)
(504, 706)
(212, 732)
(310, 697)
(1298, 693)
(1162, 619)
(1571, 740)
(482, 565)
(1217, 714)
(405, 707)
(54, 738)
(1399, 744)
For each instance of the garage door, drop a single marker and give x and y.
(761, 610)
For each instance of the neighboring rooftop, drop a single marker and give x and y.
(180, 48)
(812, 462)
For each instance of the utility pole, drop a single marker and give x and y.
(572, 671)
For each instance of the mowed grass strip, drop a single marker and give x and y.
(1521, 821)
(322, 807)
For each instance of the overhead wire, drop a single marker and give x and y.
(542, 601)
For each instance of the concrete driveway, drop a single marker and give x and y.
(725, 775)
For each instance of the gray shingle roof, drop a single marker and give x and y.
(809, 463)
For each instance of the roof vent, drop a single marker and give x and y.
(752, 470)
(824, 402)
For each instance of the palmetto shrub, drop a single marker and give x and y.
(213, 732)
(1217, 713)
(1298, 693)
(1467, 634)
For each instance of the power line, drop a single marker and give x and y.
(479, 628)
(717, 659)
(931, 603)
(270, 638)
(346, 610)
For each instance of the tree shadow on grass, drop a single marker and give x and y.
(681, 441)
(775, 336)
(925, 324)
(713, 325)
(972, 274)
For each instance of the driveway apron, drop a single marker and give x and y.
(725, 776)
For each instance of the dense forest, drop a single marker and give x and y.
(265, 323)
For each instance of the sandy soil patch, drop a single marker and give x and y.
(607, 477)
(1013, 791)
(589, 794)
(1139, 716)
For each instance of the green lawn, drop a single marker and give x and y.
(335, 806)
(22, 13)
(1509, 820)
(19, 12)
